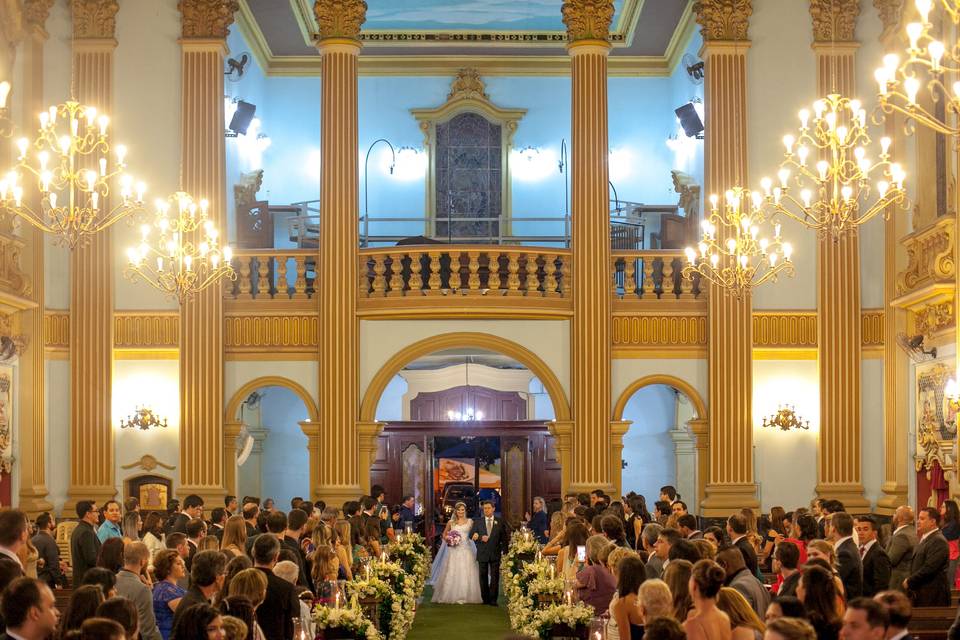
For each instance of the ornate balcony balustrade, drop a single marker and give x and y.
(653, 275)
(272, 274)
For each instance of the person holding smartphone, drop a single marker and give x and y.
(572, 555)
(595, 582)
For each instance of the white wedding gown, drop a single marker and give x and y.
(456, 575)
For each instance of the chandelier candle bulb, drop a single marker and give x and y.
(914, 31)
(44, 119)
(4, 94)
(923, 8)
(912, 87)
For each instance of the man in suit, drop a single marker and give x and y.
(192, 508)
(864, 619)
(648, 540)
(876, 563)
(218, 517)
(51, 571)
(407, 513)
(491, 535)
(206, 580)
(136, 557)
(251, 513)
(687, 524)
(14, 532)
(786, 558)
(290, 539)
(849, 566)
(739, 577)
(901, 545)
(277, 611)
(230, 505)
(196, 531)
(899, 613)
(737, 530)
(927, 583)
(84, 544)
(30, 610)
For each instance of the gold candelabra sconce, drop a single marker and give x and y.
(144, 419)
(786, 419)
(6, 121)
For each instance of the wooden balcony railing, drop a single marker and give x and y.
(652, 275)
(278, 274)
(467, 270)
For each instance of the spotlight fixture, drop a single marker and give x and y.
(690, 120)
(143, 419)
(786, 418)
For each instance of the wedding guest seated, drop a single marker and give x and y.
(818, 593)
(29, 610)
(706, 621)
(124, 613)
(784, 607)
(744, 621)
(595, 583)
(626, 621)
(677, 578)
(790, 629)
(899, 613)
(739, 577)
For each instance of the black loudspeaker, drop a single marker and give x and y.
(242, 117)
(689, 120)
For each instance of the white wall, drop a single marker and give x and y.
(871, 431)
(58, 432)
(647, 446)
(391, 406)
(381, 339)
(154, 384)
(285, 461)
(785, 462)
(628, 370)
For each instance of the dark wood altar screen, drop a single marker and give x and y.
(495, 405)
(529, 463)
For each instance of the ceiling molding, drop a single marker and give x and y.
(487, 65)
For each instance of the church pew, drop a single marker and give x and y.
(932, 623)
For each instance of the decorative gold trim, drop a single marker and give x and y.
(147, 463)
(784, 330)
(56, 330)
(658, 330)
(271, 333)
(146, 354)
(146, 330)
(680, 38)
(784, 354)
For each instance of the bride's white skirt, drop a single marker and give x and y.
(456, 575)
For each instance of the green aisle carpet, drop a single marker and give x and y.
(460, 621)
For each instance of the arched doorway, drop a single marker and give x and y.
(265, 448)
(466, 423)
(666, 441)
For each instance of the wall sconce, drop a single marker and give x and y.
(143, 418)
(786, 419)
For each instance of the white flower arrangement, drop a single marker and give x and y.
(347, 618)
(545, 586)
(405, 588)
(573, 615)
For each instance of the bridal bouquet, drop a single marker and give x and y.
(453, 538)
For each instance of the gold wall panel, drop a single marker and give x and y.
(792, 330)
(660, 331)
(273, 333)
(871, 328)
(56, 330)
(146, 330)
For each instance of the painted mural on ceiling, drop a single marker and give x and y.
(468, 15)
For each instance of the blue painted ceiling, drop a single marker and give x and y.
(468, 15)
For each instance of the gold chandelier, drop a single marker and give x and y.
(6, 122)
(786, 419)
(833, 193)
(143, 418)
(732, 254)
(73, 174)
(187, 256)
(928, 62)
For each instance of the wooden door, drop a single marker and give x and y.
(515, 478)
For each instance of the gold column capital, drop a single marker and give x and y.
(35, 14)
(11, 24)
(834, 20)
(588, 19)
(723, 19)
(96, 19)
(206, 18)
(340, 19)
(588, 47)
(891, 16)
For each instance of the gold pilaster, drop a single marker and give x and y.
(368, 433)
(204, 28)
(700, 428)
(618, 429)
(312, 431)
(91, 270)
(231, 430)
(588, 23)
(339, 352)
(562, 433)
(839, 469)
(730, 482)
(31, 388)
(896, 366)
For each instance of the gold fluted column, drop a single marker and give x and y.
(562, 433)
(91, 271)
(839, 469)
(896, 366)
(368, 433)
(32, 388)
(312, 431)
(339, 350)
(588, 25)
(730, 484)
(204, 29)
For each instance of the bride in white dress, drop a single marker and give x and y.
(456, 575)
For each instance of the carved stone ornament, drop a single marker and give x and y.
(93, 19)
(340, 18)
(723, 19)
(6, 435)
(11, 24)
(206, 18)
(147, 463)
(834, 20)
(12, 344)
(891, 16)
(934, 318)
(245, 191)
(588, 19)
(36, 12)
(468, 84)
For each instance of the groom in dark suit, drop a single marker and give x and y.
(491, 535)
